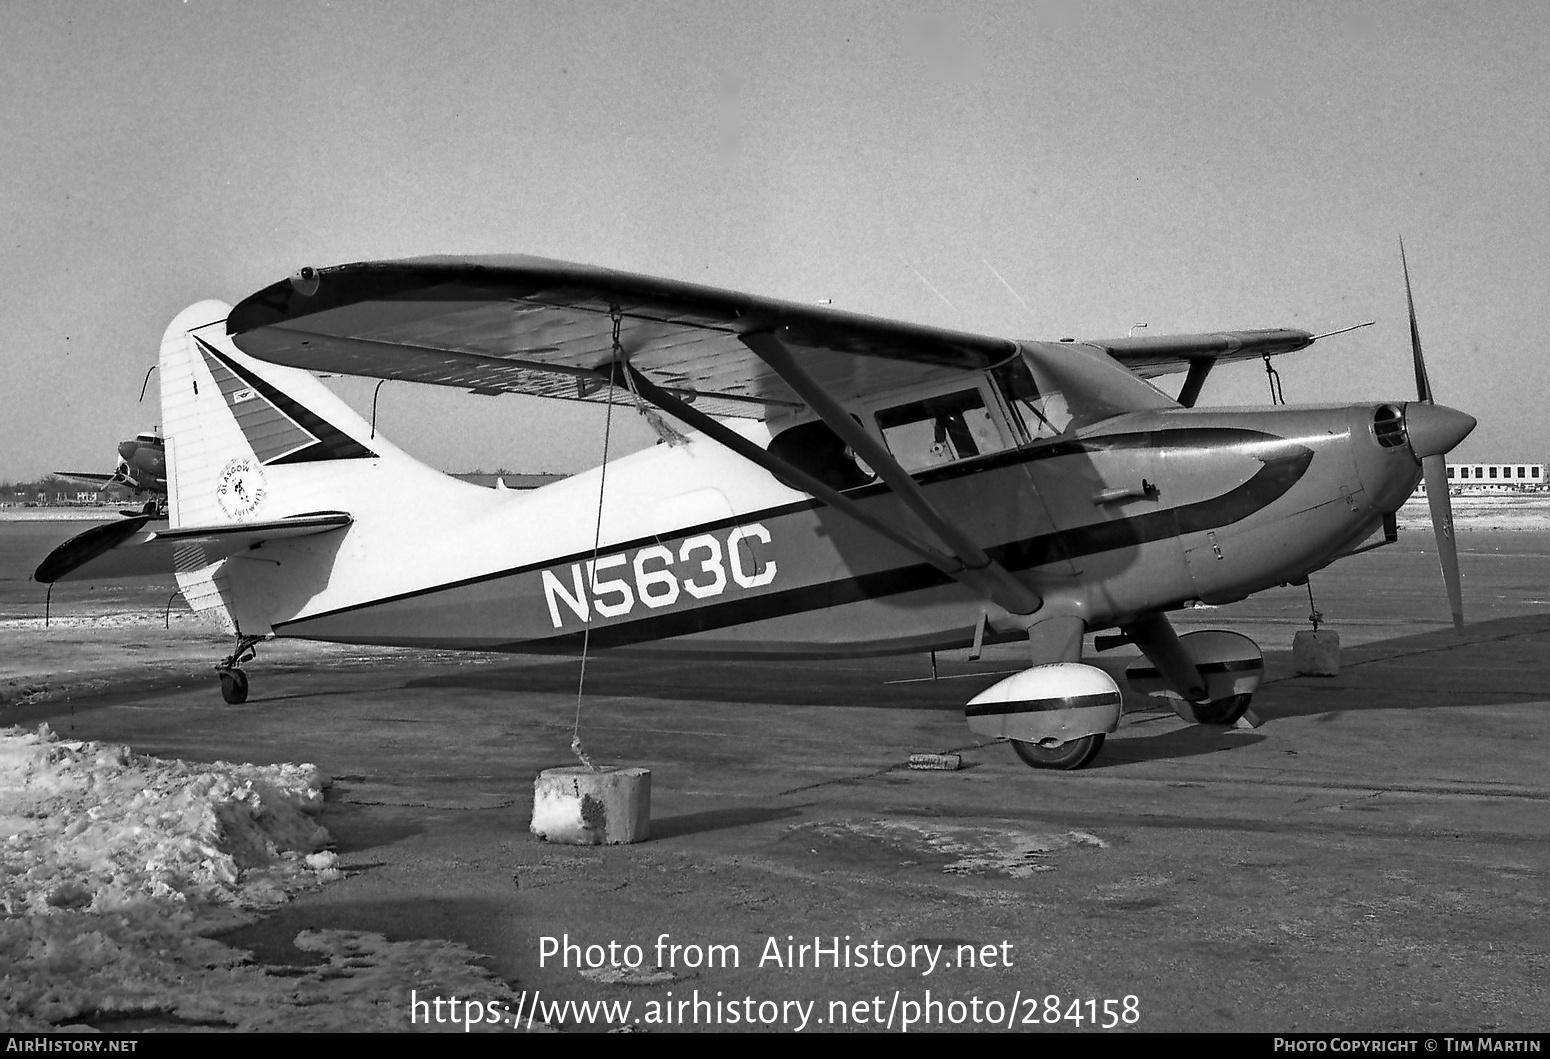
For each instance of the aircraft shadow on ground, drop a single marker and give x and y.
(1407, 665)
(1196, 740)
(1403, 673)
(1406, 672)
(806, 683)
(1486, 663)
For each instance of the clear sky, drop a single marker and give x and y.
(1192, 165)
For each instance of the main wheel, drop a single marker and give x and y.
(234, 686)
(1072, 754)
(1221, 711)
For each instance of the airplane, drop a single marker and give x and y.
(142, 468)
(841, 485)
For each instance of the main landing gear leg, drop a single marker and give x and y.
(1209, 676)
(234, 682)
(1157, 640)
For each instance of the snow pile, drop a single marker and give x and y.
(122, 828)
(114, 868)
(110, 860)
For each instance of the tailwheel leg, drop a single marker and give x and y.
(234, 682)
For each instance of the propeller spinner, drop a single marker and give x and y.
(1433, 430)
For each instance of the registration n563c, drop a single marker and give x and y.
(659, 575)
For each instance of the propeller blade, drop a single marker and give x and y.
(1436, 434)
(1423, 386)
(1436, 472)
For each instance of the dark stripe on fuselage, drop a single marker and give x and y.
(1065, 702)
(1268, 447)
(1280, 472)
(1269, 483)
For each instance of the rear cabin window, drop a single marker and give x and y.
(822, 453)
(939, 430)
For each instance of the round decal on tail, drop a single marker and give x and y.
(241, 489)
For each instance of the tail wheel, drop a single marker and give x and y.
(234, 686)
(1221, 711)
(1072, 754)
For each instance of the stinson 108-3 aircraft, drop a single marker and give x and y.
(847, 485)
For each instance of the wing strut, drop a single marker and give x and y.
(976, 569)
(1199, 368)
(793, 476)
(948, 564)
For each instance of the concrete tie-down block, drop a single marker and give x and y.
(580, 806)
(1316, 653)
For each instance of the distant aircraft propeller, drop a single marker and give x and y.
(1433, 430)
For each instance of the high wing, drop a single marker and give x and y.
(518, 324)
(1153, 355)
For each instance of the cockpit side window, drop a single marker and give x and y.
(938, 430)
(1043, 415)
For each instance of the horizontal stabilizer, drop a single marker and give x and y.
(129, 549)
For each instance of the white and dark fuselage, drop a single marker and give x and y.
(701, 552)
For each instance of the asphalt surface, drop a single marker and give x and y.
(1373, 856)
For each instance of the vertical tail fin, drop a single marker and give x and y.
(251, 442)
(248, 441)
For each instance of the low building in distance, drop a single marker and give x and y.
(1466, 478)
